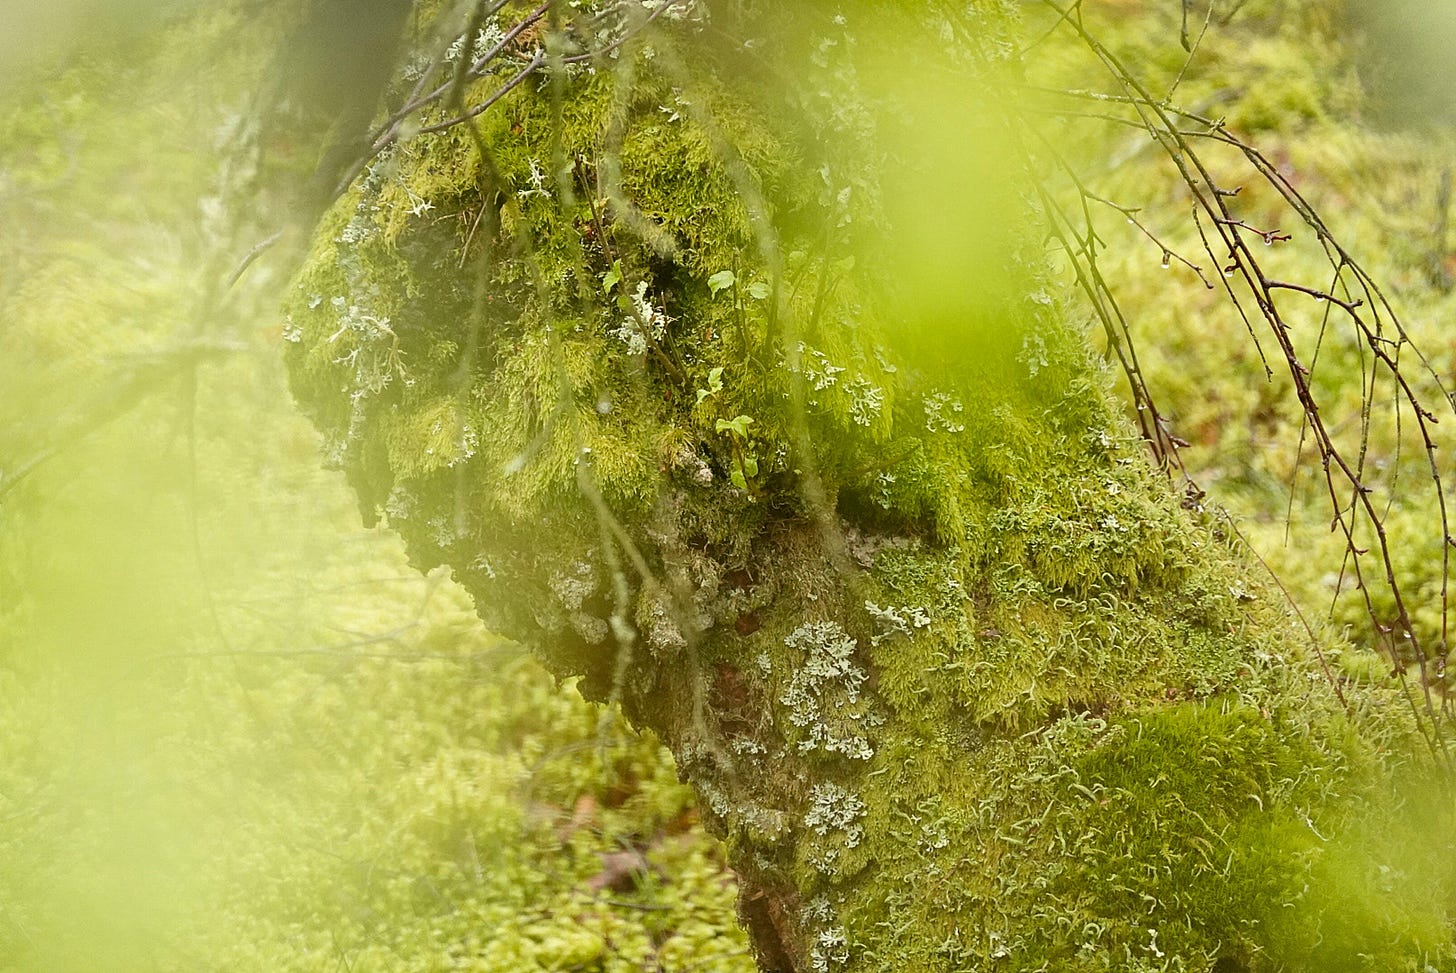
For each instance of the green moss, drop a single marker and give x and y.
(1166, 839)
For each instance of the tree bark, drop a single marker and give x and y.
(728, 376)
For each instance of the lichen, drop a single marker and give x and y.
(822, 698)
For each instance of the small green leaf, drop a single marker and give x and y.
(720, 280)
(738, 426)
(750, 466)
(737, 477)
(715, 385)
(612, 277)
(758, 290)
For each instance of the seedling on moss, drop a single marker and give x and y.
(715, 385)
(745, 463)
(612, 277)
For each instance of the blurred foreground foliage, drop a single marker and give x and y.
(239, 733)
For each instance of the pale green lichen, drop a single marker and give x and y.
(822, 697)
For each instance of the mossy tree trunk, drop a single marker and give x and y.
(724, 372)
